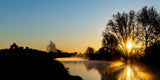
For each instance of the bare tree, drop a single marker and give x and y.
(124, 26)
(51, 47)
(150, 21)
(109, 41)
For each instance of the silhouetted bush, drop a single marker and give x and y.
(152, 55)
(105, 54)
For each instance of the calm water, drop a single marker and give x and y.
(102, 70)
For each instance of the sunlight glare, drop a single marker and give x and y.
(118, 63)
(129, 45)
(70, 59)
(128, 72)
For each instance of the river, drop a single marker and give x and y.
(105, 70)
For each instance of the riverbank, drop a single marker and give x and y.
(30, 68)
(28, 63)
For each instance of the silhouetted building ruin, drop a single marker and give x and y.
(14, 46)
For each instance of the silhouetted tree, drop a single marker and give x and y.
(149, 18)
(141, 28)
(89, 51)
(109, 41)
(51, 47)
(124, 27)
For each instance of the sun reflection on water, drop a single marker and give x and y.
(128, 72)
(102, 70)
(134, 73)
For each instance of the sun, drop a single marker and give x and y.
(129, 45)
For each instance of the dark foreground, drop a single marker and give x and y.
(18, 63)
(29, 68)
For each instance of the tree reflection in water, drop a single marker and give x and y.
(120, 71)
(114, 70)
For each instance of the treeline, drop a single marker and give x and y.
(103, 54)
(53, 51)
(19, 52)
(141, 29)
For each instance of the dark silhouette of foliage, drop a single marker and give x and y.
(104, 54)
(152, 54)
(15, 50)
(51, 47)
(149, 19)
(141, 29)
(124, 27)
(109, 41)
(89, 52)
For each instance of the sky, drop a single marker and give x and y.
(73, 25)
